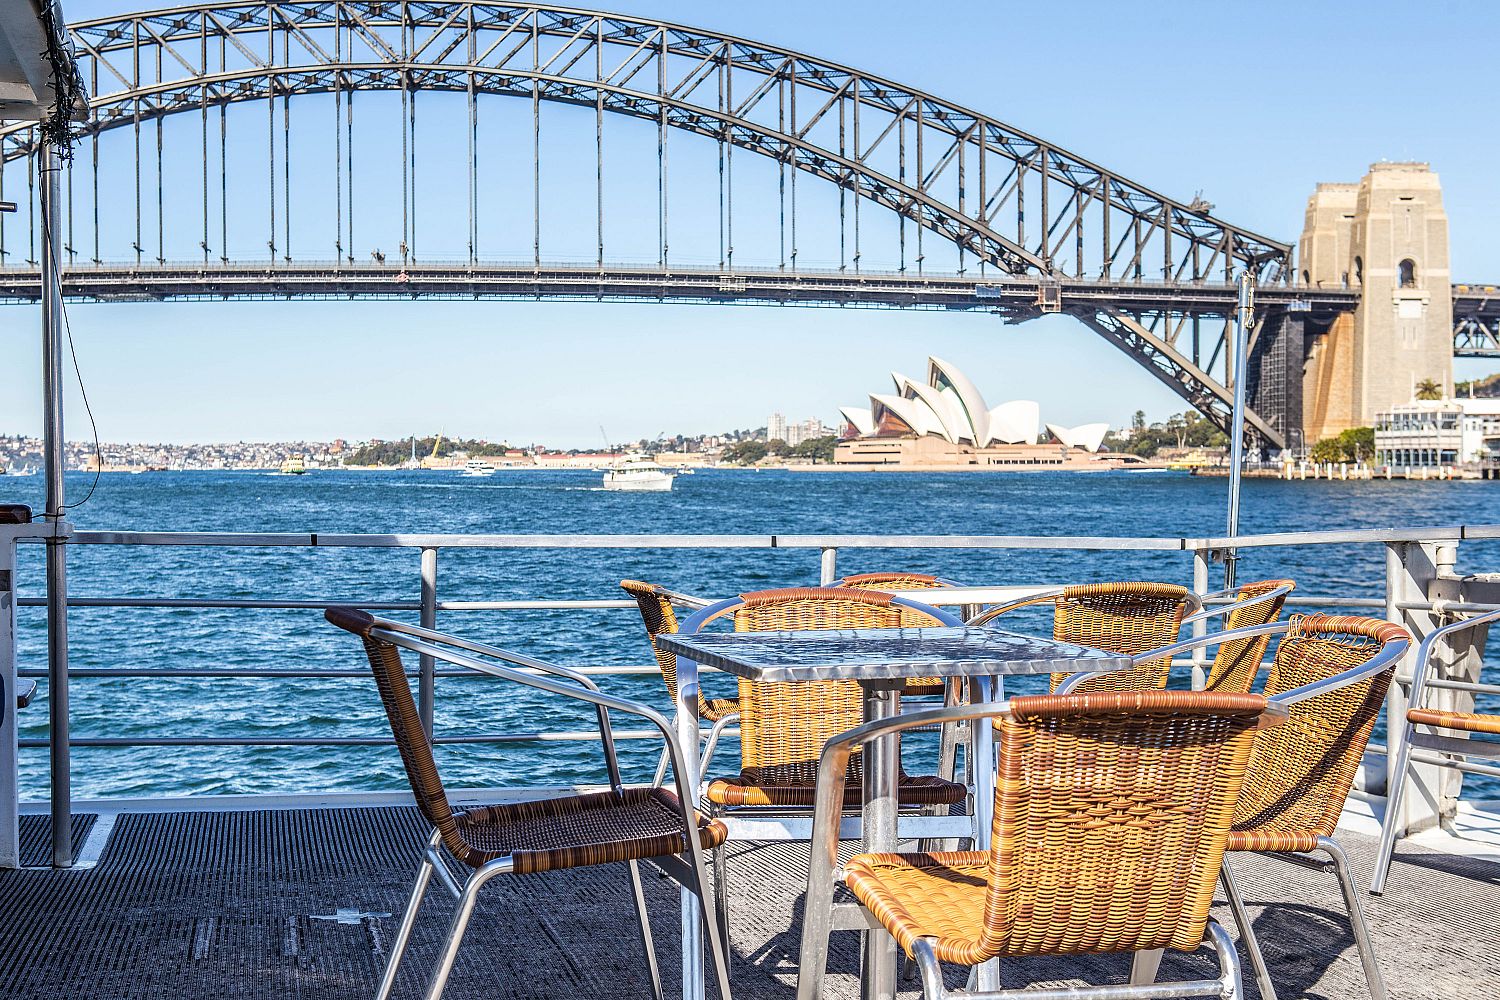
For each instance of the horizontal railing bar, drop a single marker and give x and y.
(337, 741)
(1447, 685)
(310, 539)
(283, 673)
(320, 605)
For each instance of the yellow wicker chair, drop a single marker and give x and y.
(1446, 739)
(1117, 617)
(524, 838)
(1112, 811)
(1331, 672)
(660, 617)
(1237, 662)
(783, 725)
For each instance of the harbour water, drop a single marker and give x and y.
(713, 502)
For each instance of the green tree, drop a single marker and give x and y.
(1428, 389)
(776, 446)
(818, 449)
(1357, 444)
(745, 452)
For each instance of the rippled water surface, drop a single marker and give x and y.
(711, 502)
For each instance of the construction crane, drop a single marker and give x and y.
(436, 444)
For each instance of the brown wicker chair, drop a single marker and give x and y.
(661, 617)
(1236, 663)
(1118, 617)
(1112, 811)
(1331, 672)
(1446, 738)
(783, 725)
(572, 831)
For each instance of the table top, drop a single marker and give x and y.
(883, 654)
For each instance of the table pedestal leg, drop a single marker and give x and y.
(985, 689)
(882, 760)
(692, 911)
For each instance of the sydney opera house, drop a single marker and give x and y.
(943, 422)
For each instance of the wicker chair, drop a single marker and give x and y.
(1117, 617)
(916, 687)
(1446, 738)
(783, 726)
(573, 831)
(1112, 811)
(1237, 662)
(661, 617)
(1331, 672)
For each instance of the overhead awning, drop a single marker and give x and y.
(36, 62)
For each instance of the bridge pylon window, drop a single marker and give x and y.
(1406, 273)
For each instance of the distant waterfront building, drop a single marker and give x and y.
(1429, 433)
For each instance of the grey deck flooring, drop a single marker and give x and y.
(235, 905)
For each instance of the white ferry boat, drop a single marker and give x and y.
(639, 473)
(474, 467)
(294, 465)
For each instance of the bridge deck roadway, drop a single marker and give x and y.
(512, 281)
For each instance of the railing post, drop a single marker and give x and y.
(828, 572)
(427, 674)
(1200, 627)
(1432, 792)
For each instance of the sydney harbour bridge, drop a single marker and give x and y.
(270, 150)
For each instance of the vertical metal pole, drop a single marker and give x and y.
(1200, 627)
(57, 571)
(828, 571)
(1242, 316)
(428, 613)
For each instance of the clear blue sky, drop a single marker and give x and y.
(1251, 104)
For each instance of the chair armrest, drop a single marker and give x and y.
(587, 692)
(1429, 644)
(685, 600)
(989, 614)
(484, 649)
(25, 691)
(1226, 609)
(1206, 641)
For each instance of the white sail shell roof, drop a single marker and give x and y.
(942, 375)
(1089, 437)
(1016, 422)
(860, 418)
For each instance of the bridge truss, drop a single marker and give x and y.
(1022, 227)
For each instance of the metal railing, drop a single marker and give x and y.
(1413, 558)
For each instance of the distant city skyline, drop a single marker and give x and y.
(556, 372)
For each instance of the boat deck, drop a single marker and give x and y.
(296, 903)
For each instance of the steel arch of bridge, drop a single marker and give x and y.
(1020, 207)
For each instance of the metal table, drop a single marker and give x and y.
(880, 660)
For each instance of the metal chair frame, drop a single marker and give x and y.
(1428, 748)
(1386, 659)
(691, 873)
(779, 830)
(820, 918)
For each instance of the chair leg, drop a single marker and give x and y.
(718, 944)
(1362, 939)
(721, 891)
(403, 932)
(643, 920)
(1144, 966)
(1395, 784)
(461, 915)
(932, 972)
(1247, 933)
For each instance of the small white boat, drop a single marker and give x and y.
(474, 467)
(638, 473)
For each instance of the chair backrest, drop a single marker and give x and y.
(894, 580)
(1111, 814)
(1237, 662)
(406, 726)
(783, 725)
(1121, 618)
(1300, 773)
(658, 614)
